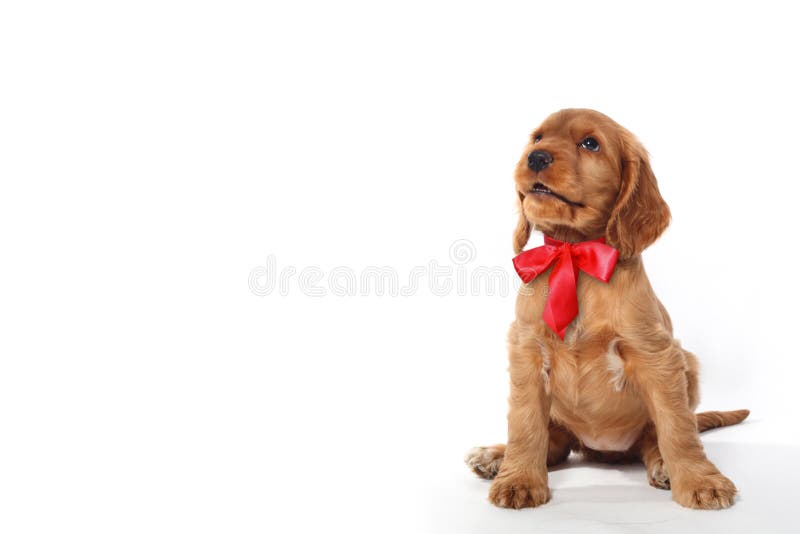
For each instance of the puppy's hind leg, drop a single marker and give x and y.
(657, 474)
(485, 461)
(648, 444)
(562, 443)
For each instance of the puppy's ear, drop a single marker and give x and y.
(523, 230)
(640, 215)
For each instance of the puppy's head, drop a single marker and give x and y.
(583, 176)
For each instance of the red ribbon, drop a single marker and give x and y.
(594, 257)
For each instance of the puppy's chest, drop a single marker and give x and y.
(586, 367)
(591, 396)
(589, 374)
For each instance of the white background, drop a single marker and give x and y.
(152, 154)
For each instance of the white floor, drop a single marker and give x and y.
(598, 498)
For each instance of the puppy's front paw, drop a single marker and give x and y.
(705, 492)
(517, 490)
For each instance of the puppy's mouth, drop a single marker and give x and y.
(540, 189)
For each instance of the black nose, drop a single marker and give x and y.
(539, 160)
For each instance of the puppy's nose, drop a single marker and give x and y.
(539, 160)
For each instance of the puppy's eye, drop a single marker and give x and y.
(537, 138)
(590, 143)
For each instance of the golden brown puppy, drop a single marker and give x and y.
(619, 387)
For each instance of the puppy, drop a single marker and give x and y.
(605, 377)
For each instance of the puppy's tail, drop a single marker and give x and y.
(709, 420)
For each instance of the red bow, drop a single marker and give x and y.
(594, 257)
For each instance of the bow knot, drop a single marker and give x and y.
(595, 258)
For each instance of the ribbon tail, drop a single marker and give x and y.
(562, 302)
